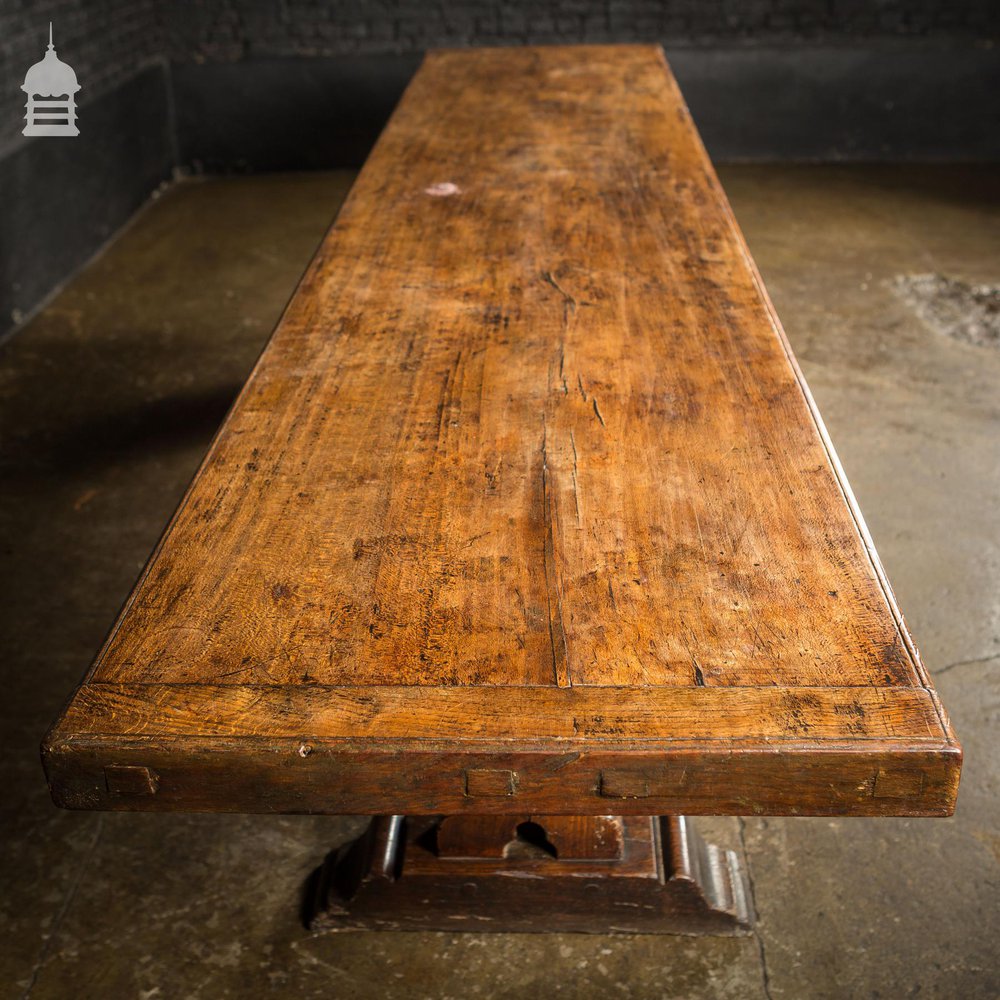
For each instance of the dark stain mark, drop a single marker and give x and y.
(493, 316)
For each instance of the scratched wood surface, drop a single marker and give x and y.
(527, 465)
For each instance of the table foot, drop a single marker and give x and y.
(591, 874)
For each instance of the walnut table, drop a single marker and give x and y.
(524, 537)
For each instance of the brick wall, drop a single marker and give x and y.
(211, 30)
(105, 41)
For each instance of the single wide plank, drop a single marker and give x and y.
(527, 458)
(527, 715)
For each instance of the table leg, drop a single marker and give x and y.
(594, 874)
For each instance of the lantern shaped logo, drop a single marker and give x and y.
(51, 88)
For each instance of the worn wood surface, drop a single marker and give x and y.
(526, 482)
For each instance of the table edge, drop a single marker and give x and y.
(335, 767)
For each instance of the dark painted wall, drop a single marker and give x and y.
(69, 196)
(224, 30)
(299, 83)
(879, 102)
(62, 198)
(109, 41)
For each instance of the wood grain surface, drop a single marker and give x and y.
(527, 459)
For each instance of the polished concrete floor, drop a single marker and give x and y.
(107, 402)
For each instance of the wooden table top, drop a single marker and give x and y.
(526, 506)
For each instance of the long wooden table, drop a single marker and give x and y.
(525, 518)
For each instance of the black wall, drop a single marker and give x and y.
(225, 30)
(807, 103)
(267, 85)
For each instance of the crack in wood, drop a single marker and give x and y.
(560, 668)
(576, 489)
(597, 413)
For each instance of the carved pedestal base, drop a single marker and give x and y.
(595, 874)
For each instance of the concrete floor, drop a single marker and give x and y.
(107, 402)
